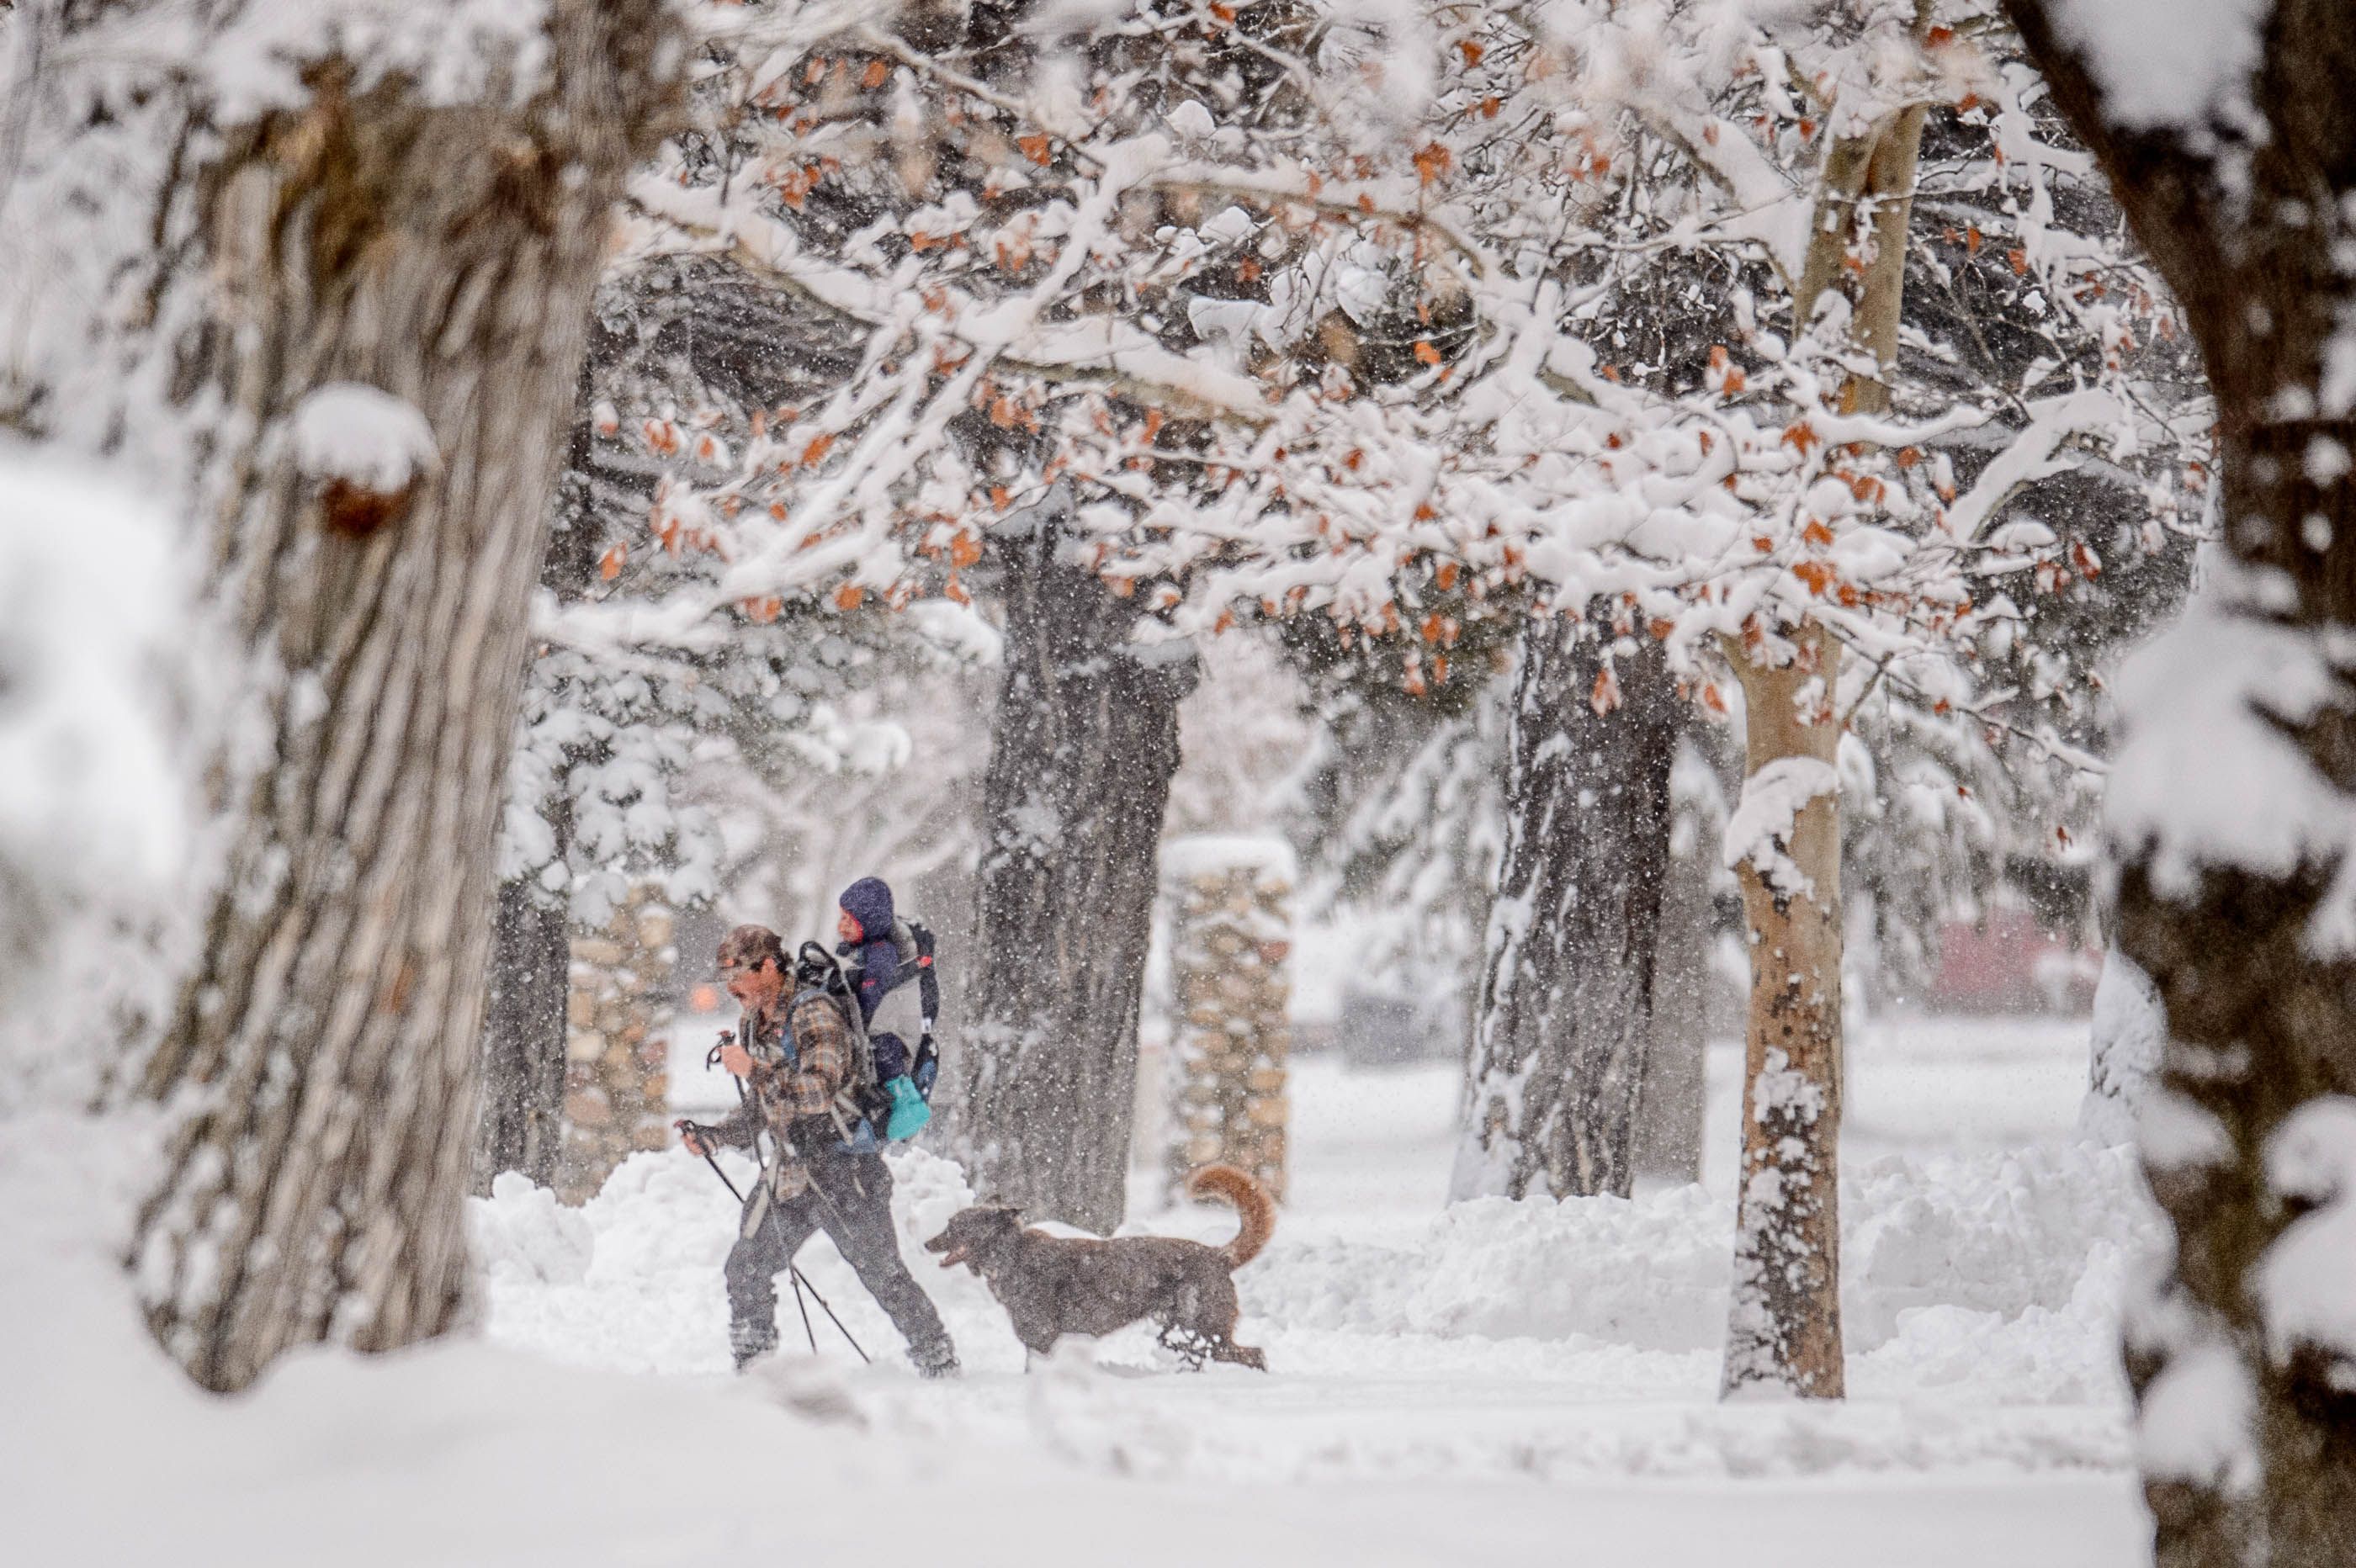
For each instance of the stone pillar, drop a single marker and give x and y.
(1230, 1029)
(616, 1070)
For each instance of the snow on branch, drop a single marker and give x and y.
(362, 435)
(2211, 711)
(1760, 829)
(2164, 62)
(2306, 1279)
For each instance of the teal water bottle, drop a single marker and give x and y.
(909, 1112)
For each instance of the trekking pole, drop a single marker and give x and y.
(806, 1331)
(803, 1307)
(802, 1282)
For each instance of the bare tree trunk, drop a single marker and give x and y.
(442, 254)
(522, 1123)
(1669, 1123)
(1565, 1033)
(2124, 1051)
(1783, 1327)
(1087, 742)
(2247, 204)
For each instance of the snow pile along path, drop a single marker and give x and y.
(1492, 1338)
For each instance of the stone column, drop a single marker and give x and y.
(1230, 1029)
(617, 1058)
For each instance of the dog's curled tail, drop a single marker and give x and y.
(1253, 1206)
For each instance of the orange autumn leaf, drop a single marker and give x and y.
(2019, 260)
(1036, 147)
(1426, 352)
(1817, 574)
(956, 590)
(1815, 533)
(1471, 51)
(876, 75)
(965, 548)
(1446, 576)
(1431, 161)
(850, 596)
(815, 450)
(609, 565)
(1604, 697)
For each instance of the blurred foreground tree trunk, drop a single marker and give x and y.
(2236, 779)
(372, 301)
(1086, 741)
(1565, 1031)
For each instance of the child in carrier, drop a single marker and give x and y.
(886, 953)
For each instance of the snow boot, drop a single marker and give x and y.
(748, 1342)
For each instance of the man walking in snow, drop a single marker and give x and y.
(792, 1051)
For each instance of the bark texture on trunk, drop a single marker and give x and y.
(2129, 1028)
(327, 1045)
(522, 1123)
(1565, 1031)
(2248, 1415)
(1087, 742)
(1783, 1327)
(1669, 1123)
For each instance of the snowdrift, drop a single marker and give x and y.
(2000, 1234)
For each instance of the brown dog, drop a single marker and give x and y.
(1052, 1286)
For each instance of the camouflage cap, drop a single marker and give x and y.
(747, 946)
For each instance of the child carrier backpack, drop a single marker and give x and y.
(886, 1097)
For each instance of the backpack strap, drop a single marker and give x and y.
(817, 973)
(929, 984)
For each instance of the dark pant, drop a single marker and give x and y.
(849, 1197)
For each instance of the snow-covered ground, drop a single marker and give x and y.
(1490, 1381)
(1534, 1347)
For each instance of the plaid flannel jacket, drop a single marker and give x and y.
(783, 1095)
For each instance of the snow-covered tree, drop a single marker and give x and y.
(319, 274)
(93, 832)
(2226, 132)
